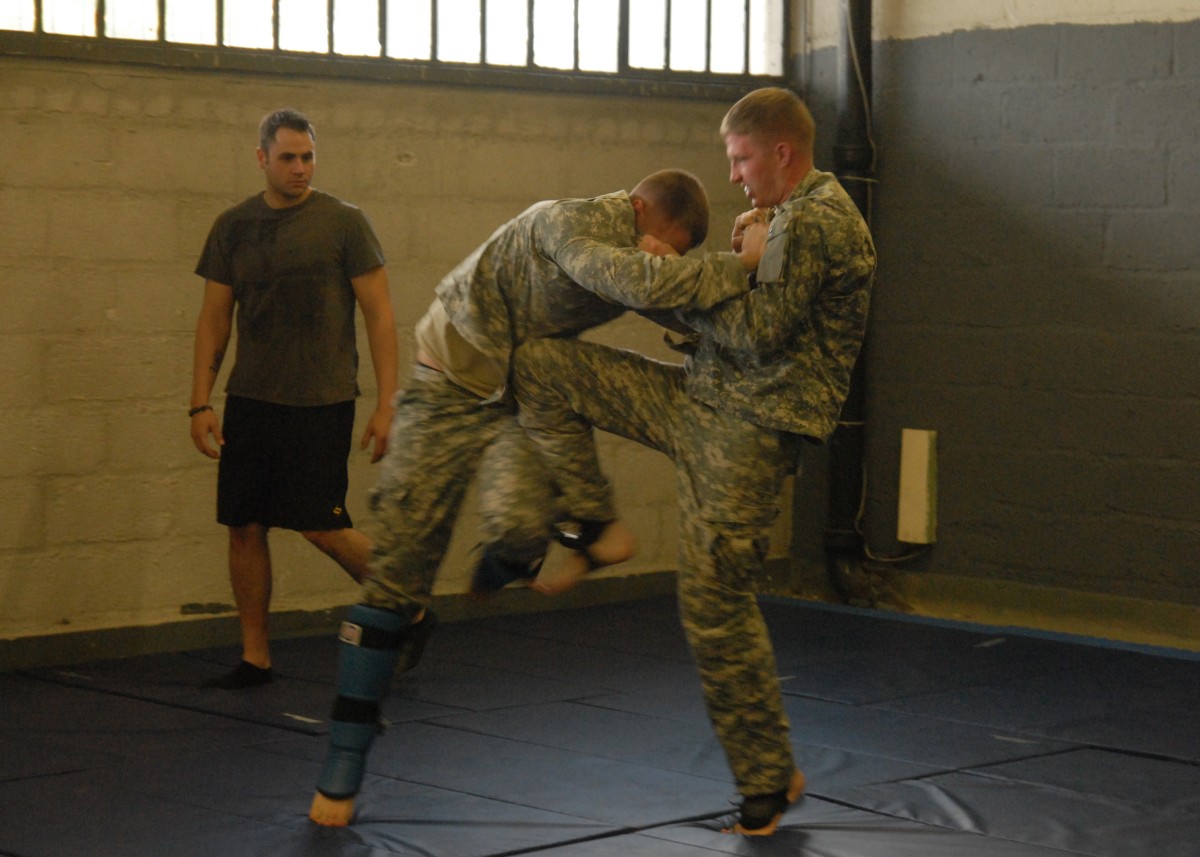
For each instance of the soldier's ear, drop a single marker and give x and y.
(639, 213)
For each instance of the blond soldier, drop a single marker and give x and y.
(555, 270)
(769, 369)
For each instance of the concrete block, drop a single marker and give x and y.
(23, 524)
(1160, 240)
(24, 224)
(1004, 176)
(38, 156)
(195, 500)
(1062, 112)
(52, 439)
(97, 586)
(925, 120)
(1183, 179)
(22, 371)
(18, 94)
(1187, 49)
(48, 297)
(1110, 177)
(109, 508)
(112, 226)
(520, 171)
(1154, 490)
(118, 368)
(1005, 56)
(159, 441)
(1118, 53)
(1159, 113)
(909, 64)
(60, 92)
(197, 160)
(154, 299)
(402, 165)
(1180, 305)
(193, 223)
(1111, 425)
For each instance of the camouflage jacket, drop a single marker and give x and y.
(564, 266)
(781, 355)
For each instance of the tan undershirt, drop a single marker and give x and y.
(440, 346)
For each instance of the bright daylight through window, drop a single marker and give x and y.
(720, 37)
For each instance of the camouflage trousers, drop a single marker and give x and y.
(441, 437)
(729, 474)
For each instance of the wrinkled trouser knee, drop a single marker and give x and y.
(371, 639)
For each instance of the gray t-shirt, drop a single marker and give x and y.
(290, 271)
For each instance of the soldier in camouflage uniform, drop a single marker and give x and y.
(555, 270)
(765, 371)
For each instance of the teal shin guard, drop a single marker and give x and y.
(370, 645)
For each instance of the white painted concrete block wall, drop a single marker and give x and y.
(110, 180)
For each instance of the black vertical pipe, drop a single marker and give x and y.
(854, 164)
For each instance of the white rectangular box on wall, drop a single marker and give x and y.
(916, 522)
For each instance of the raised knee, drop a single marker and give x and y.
(527, 357)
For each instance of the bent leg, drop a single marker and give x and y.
(348, 547)
(517, 511)
(436, 435)
(564, 387)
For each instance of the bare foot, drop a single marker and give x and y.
(563, 576)
(616, 544)
(329, 812)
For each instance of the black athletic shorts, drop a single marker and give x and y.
(284, 466)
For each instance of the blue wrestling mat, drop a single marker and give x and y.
(582, 733)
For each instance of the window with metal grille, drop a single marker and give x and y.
(727, 40)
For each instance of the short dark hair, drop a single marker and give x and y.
(772, 114)
(678, 195)
(285, 118)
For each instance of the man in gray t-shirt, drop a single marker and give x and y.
(293, 263)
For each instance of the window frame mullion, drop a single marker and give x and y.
(381, 16)
(159, 49)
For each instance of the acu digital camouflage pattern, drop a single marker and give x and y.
(441, 437)
(555, 270)
(562, 267)
(728, 476)
(782, 354)
(768, 368)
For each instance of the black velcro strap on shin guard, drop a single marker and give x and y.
(348, 710)
(578, 535)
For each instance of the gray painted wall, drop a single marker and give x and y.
(1038, 303)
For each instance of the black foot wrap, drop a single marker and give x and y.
(578, 535)
(493, 574)
(760, 810)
